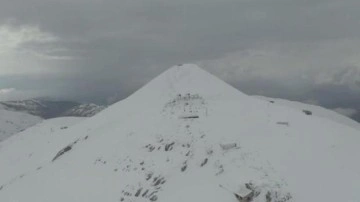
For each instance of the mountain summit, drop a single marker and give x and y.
(185, 136)
(188, 78)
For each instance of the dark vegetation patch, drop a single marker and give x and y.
(148, 176)
(204, 162)
(169, 147)
(183, 168)
(154, 184)
(138, 192)
(158, 181)
(150, 147)
(145, 193)
(154, 198)
(220, 170)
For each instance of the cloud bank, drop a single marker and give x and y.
(97, 50)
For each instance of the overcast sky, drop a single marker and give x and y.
(98, 50)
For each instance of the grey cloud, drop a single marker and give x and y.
(113, 47)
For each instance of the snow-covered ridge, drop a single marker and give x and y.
(185, 136)
(29, 149)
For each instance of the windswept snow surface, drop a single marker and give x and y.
(185, 136)
(315, 110)
(14, 122)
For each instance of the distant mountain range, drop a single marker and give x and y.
(84, 110)
(51, 109)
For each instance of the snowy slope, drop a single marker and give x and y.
(315, 111)
(14, 122)
(29, 148)
(186, 136)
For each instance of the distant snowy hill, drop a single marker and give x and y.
(356, 116)
(185, 136)
(84, 110)
(14, 122)
(52, 109)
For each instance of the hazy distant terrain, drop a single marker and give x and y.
(52, 109)
(16, 116)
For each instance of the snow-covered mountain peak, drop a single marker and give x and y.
(183, 80)
(185, 136)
